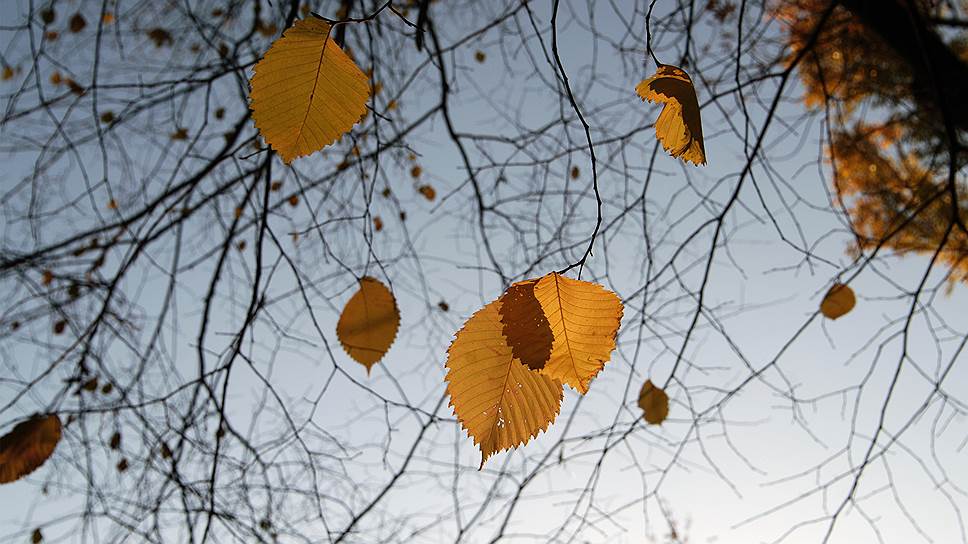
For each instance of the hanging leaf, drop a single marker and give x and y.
(25, 448)
(838, 301)
(497, 399)
(306, 92)
(525, 326)
(584, 319)
(679, 126)
(369, 323)
(654, 403)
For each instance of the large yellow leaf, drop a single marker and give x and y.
(369, 323)
(584, 319)
(525, 326)
(306, 92)
(497, 399)
(838, 301)
(679, 126)
(654, 403)
(28, 446)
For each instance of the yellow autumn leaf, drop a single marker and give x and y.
(497, 399)
(654, 403)
(584, 319)
(838, 301)
(524, 325)
(369, 323)
(306, 92)
(25, 448)
(679, 126)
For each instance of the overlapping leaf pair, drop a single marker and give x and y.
(506, 367)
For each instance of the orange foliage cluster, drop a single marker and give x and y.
(848, 63)
(896, 200)
(890, 172)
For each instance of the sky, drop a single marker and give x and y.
(757, 467)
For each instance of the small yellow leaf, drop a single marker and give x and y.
(575, 172)
(112, 204)
(306, 92)
(369, 323)
(415, 172)
(107, 18)
(525, 326)
(584, 319)
(428, 192)
(294, 200)
(654, 403)
(838, 301)
(377, 223)
(479, 56)
(180, 134)
(497, 399)
(25, 448)
(679, 126)
(56, 78)
(36, 537)
(107, 117)
(7, 73)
